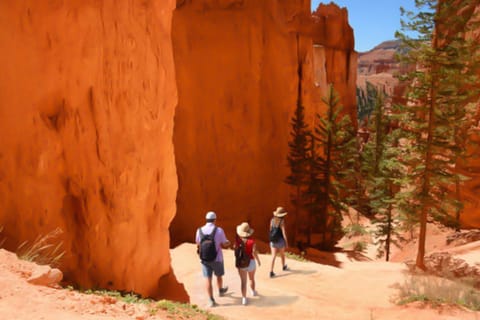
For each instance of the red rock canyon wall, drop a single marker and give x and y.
(92, 139)
(87, 99)
(236, 67)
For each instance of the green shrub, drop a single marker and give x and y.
(360, 246)
(354, 230)
(127, 297)
(294, 256)
(435, 290)
(182, 310)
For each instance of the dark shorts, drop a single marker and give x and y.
(279, 244)
(214, 267)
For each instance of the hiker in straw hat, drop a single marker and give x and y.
(244, 239)
(278, 238)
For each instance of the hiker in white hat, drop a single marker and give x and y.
(210, 240)
(278, 238)
(245, 256)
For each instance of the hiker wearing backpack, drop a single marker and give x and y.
(278, 238)
(210, 240)
(245, 256)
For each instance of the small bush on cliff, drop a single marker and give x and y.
(43, 250)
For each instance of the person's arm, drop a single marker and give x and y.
(197, 240)
(197, 237)
(284, 234)
(255, 254)
(224, 242)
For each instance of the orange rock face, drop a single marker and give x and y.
(236, 67)
(92, 140)
(87, 99)
(470, 216)
(334, 55)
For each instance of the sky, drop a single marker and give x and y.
(373, 21)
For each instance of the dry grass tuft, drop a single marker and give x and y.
(436, 291)
(43, 251)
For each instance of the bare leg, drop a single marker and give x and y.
(274, 255)
(243, 280)
(220, 282)
(282, 256)
(251, 276)
(209, 287)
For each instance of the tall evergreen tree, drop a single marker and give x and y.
(385, 177)
(299, 157)
(437, 97)
(337, 139)
(366, 101)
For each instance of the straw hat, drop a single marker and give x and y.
(280, 212)
(244, 230)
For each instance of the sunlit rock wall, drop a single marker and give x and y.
(334, 52)
(87, 100)
(470, 216)
(237, 65)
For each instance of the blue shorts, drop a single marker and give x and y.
(251, 266)
(209, 268)
(280, 244)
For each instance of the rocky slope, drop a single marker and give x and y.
(329, 290)
(380, 67)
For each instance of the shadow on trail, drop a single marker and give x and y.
(260, 300)
(293, 271)
(322, 257)
(356, 255)
(272, 301)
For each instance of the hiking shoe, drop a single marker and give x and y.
(222, 291)
(272, 274)
(211, 303)
(244, 301)
(285, 268)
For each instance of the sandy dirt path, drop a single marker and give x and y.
(355, 290)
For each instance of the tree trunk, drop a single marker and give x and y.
(457, 209)
(420, 262)
(389, 232)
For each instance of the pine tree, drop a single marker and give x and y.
(366, 101)
(337, 139)
(385, 176)
(437, 99)
(299, 157)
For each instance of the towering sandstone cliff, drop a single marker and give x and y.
(87, 99)
(92, 140)
(237, 65)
